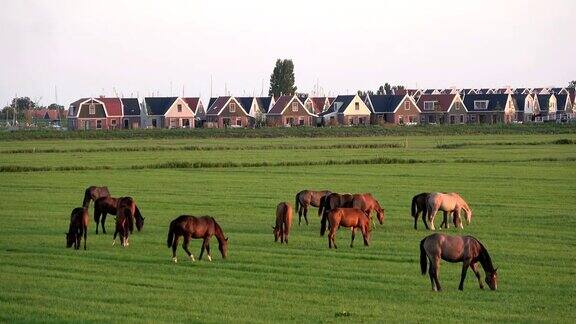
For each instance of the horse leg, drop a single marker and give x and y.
(474, 267)
(436, 268)
(332, 237)
(300, 209)
(174, 246)
(306, 214)
(85, 236)
(431, 218)
(431, 274)
(103, 221)
(114, 239)
(416, 220)
(445, 221)
(365, 235)
(424, 218)
(185, 247)
(96, 218)
(205, 243)
(353, 229)
(463, 276)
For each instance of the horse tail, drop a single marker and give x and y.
(322, 202)
(170, 239)
(297, 202)
(139, 218)
(423, 258)
(323, 224)
(87, 198)
(414, 206)
(130, 218)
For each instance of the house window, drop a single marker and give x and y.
(238, 121)
(294, 106)
(154, 123)
(232, 107)
(290, 121)
(430, 118)
(301, 121)
(407, 105)
(429, 105)
(480, 104)
(452, 119)
(179, 108)
(422, 118)
(357, 106)
(401, 120)
(114, 122)
(92, 109)
(473, 118)
(411, 119)
(98, 124)
(461, 119)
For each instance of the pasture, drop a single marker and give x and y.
(522, 188)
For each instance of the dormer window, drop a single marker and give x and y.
(232, 107)
(429, 105)
(407, 105)
(179, 108)
(294, 106)
(357, 106)
(92, 109)
(480, 104)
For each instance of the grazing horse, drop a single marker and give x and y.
(419, 205)
(307, 198)
(449, 203)
(347, 217)
(125, 220)
(283, 222)
(78, 227)
(93, 193)
(334, 200)
(196, 227)
(367, 203)
(465, 249)
(107, 205)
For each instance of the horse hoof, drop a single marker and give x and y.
(192, 258)
(113, 243)
(210, 258)
(175, 260)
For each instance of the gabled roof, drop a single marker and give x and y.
(192, 103)
(264, 103)
(385, 103)
(520, 100)
(302, 97)
(544, 101)
(558, 90)
(331, 100)
(444, 102)
(131, 106)
(211, 102)
(283, 102)
(561, 102)
(159, 105)
(75, 105)
(496, 102)
(246, 103)
(318, 104)
(113, 106)
(341, 103)
(216, 107)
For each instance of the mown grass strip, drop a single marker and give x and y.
(208, 148)
(230, 164)
(562, 141)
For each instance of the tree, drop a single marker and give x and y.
(380, 90)
(387, 88)
(282, 79)
(572, 84)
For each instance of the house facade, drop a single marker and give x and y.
(131, 118)
(227, 112)
(442, 109)
(95, 113)
(290, 111)
(393, 109)
(167, 112)
(490, 108)
(347, 110)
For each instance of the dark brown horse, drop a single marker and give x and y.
(107, 205)
(196, 227)
(283, 222)
(93, 193)
(465, 249)
(334, 200)
(346, 217)
(307, 198)
(367, 203)
(419, 206)
(78, 227)
(126, 208)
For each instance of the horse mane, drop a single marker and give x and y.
(218, 232)
(484, 258)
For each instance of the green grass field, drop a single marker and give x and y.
(521, 187)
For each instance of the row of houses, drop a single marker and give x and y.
(408, 107)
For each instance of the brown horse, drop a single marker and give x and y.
(196, 227)
(78, 227)
(126, 208)
(334, 200)
(450, 203)
(419, 206)
(107, 205)
(307, 198)
(465, 249)
(367, 203)
(93, 193)
(347, 217)
(283, 222)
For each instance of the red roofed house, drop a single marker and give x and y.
(442, 109)
(95, 113)
(289, 111)
(227, 112)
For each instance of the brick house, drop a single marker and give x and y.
(393, 109)
(289, 111)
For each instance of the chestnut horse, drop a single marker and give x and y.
(107, 205)
(283, 222)
(450, 203)
(334, 200)
(78, 227)
(419, 206)
(93, 193)
(367, 203)
(347, 217)
(126, 208)
(196, 227)
(307, 198)
(465, 249)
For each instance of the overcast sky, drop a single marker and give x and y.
(89, 48)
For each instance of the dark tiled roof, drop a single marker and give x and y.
(385, 103)
(543, 101)
(520, 101)
(496, 102)
(280, 104)
(216, 107)
(264, 103)
(131, 106)
(245, 102)
(444, 101)
(318, 103)
(341, 103)
(561, 102)
(158, 105)
(211, 102)
(192, 103)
